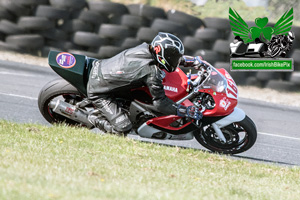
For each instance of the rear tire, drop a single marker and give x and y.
(236, 145)
(54, 89)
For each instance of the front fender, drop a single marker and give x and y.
(236, 116)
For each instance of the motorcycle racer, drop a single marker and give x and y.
(132, 68)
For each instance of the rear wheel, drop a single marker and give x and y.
(58, 89)
(240, 137)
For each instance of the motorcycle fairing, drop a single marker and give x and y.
(236, 116)
(147, 131)
(165, 121)
(164, 124)
(220, 87)
(175, 84)
(231, 90)
(179, 80)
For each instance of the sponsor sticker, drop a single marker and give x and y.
(222, 103)
(170, 88)
(69, 111)
(225, 103)
(65, 60)
(228, 104)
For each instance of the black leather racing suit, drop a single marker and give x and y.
(132, 68)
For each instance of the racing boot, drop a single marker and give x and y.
(102, 124)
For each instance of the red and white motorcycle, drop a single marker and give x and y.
(224, 128)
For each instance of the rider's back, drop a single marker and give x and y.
(127, 69)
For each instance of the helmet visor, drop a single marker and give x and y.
(173, 57)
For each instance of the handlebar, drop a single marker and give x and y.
(201, 73)
(197, 84)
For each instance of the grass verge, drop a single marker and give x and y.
(59, 162)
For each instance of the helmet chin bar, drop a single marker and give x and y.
(163, 63)
(162, 67)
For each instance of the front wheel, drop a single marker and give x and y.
(240, 136)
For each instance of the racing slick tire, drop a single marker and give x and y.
(235, 144)
(53, 89)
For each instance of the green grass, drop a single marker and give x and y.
(59, 162)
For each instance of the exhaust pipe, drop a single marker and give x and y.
(70, 111)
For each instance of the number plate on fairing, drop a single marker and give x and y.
(231, 91)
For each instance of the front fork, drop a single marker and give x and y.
(236, 116)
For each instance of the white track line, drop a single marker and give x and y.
(280, 136)
(20, 96)
(17, 74)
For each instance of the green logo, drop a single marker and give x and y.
(240, 28)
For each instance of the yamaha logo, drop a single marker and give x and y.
(170, 88)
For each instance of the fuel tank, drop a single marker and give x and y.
(175, 84)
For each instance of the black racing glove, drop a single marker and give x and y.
(190, 111)
(199, 63)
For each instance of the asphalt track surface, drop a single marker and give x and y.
(278, 126)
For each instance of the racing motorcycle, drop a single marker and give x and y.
(224, 128)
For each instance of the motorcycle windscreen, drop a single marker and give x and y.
(219, 85)
(215, 81)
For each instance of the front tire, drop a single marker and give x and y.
(240, 137)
